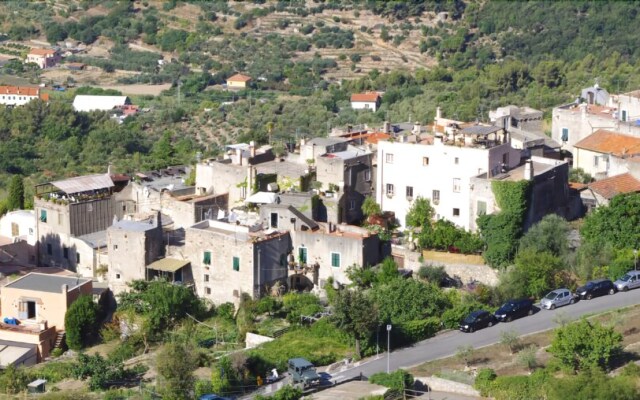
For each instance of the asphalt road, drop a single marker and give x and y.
(446, 344)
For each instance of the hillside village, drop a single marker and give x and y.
(227, 200)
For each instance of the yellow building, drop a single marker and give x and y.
(33, 309)
(238, 81)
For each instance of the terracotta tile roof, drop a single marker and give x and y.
(375, 137)
(44, 96)
(577, 186)
(365, 97)
(42, 52)
(617, 144)
(239, 78)
(21, 90)
(619, 184)
(594, 109)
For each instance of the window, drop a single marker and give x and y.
(206, 278)
(456, 161)
(389, 158)
(352, 205)
(207, 258)
(117, 276)
(43, 215)
(335, 260)
(207, 290)
(435, 197)
(77, 258)
(389, 189)
(624, 115)
(65, 252)
(283, 260)
(27, 310)
(456, 185)
(409, 192)
(49, 249)
(367, 175)
(236, 264)
(274, 220)
(425, 161)
(302, 255)
(481, 208)
(243, 192)
(115, 247)
(595, 161)
(456, 212)
(565, 134)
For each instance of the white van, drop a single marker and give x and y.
(630, 280)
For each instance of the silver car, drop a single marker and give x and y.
(557, 298)
(630, 280)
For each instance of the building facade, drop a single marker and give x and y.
(20, 95)
(440, 172)
(43, 58)
(228, 259)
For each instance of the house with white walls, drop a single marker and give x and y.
(440, 168)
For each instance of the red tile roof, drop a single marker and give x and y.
(21, 90)
(371, 97)
(42, 52)
(239, 78)
(577, 186)
(617, 144)
(375, 137)
(619, 184)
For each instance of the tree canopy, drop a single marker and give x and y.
(81, 322)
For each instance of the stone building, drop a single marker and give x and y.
(133, 245)
(229, 259)
(69, 214)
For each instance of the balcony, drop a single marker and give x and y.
(25, 327)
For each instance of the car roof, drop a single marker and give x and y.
(560, 290)
(300, 362)
(477, 312)
(598, 280)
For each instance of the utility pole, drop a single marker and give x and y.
(388, 346)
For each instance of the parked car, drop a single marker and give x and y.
(557, 298)
(477, 320)
(630, 280)
(212, 397)
(598, 287)
(513, 309)
(302, 371)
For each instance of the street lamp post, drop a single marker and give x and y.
(388, 346)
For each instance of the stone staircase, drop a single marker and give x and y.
(60, 340)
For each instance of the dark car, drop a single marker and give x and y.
(513, 309)
(596, 288)
(477, 320)
(212, 397)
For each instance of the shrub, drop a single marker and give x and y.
(397, 380)
(81, 322)
(485, 378)
(299, 304)
(414, 331)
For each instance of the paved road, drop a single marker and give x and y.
(446, 344)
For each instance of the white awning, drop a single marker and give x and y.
(262, 198)
(84, 183)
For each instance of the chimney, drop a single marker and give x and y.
(158, 219)
(252, 149)
(528, 170)
(238, 157)
(417, 128)
(438, 113)
(109, 169)
(386, 127)
(250, 179)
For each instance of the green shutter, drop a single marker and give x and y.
(236, 264)
(302, 254)
(207, 258)
(43, 215)
(335, 260)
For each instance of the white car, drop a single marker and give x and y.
(630, 280)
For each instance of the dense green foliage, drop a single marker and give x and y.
(617, 225)
(175, 364)
(542, 385)
(81, 322)
(397, 380)
(161, 303)
(101, 373)
(15, 201)
(585, 345)
(501, 231)
(355, 314)
(286, 393)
